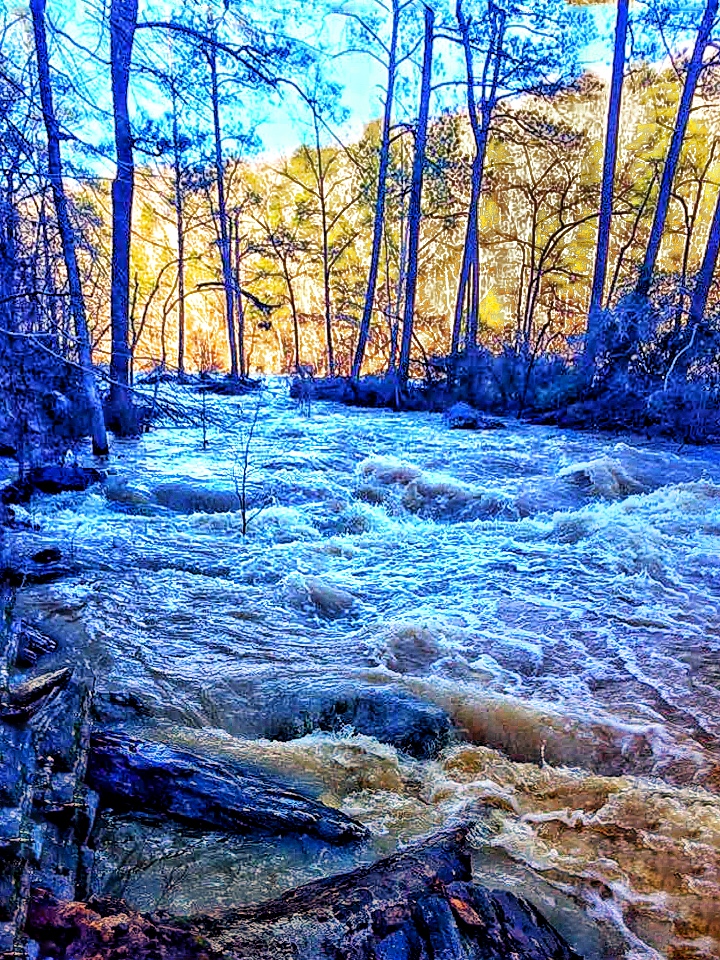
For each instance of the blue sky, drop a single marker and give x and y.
(284, 119)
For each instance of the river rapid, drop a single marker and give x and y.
(556, 593)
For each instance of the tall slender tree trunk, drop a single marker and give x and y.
(240, 309)
(608, 178)
(469, 285)
(67, 234)
(379, 221)
(704, 280)
(227, 271)
(123, 21)
(414, 207)
(694, 69)
(327, 294)
(180, 227)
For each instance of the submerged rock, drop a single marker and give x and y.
(461, 416)
(389, 714)
(151, 777)
(184, 497)
(31, 643)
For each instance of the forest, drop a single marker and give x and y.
(527, 230)
(359, 480)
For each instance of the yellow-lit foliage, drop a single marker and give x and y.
(537, 233)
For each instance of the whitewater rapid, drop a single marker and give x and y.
(556, 593)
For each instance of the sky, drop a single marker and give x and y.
(282, 120)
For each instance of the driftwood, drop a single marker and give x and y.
(416, 905)
(137, 775)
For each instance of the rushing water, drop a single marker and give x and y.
(556, 593)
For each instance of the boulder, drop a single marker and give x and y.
(387, 713)
(419, 904)
(461, 416)
(25, 699)
(50, 479)
(151, 777)
(185, 497)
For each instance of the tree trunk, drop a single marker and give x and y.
(379, 221)
(228, 282)
(414, 208)
(608, 178)
(694, 69)
(180, 226)
(327, 298)
(123, 21)
(67, 236)
(469, 286)
(240, 310)
(707, 271)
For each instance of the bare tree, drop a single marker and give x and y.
(391, 52)
(414, 208)
(123, 22)
(608, 177)
(694, 69)
(67, 234)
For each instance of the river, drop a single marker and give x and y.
(557, 593)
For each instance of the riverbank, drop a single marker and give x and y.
(558, 396)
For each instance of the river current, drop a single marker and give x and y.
(557, 593)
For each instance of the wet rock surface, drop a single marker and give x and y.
(461, 416)
(389, 714)
(416, 905)
(52, 480)
(150, 777)
(25, 565)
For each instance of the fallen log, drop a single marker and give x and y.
(138, 775)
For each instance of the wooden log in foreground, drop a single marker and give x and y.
(151, 777)
(416, 905)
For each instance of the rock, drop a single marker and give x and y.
(461, 416)
(105, 929)
(22, 571)
(51, 479)
(378, 898)
(387, 713)
(137, 775)
(504, 925)
(419, 904)
(26, 698)
(31, 644)
(49, 555)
